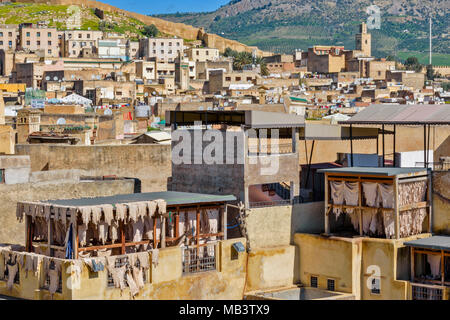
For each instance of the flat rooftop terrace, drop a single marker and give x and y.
(378, 171)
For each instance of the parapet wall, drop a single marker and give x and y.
(149, 163)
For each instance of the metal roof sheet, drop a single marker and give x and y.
(386, 171)
(434, 242)
(438, 114)
(171, 197)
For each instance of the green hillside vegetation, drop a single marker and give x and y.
(285, 25)
(57, 16)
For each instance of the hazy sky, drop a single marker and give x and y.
(166, 6)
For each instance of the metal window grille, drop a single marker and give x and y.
(313, 281)
(2, 175)
(199, 259)
(121, 261)
(330, 285)
(124, 261)
(425, 293)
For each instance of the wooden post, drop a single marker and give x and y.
(327, 224)
(197, 236)
(27, 234)
(351, 147)
(430, 202)
(395, 163)
(360, 207)
(122, 236)
(412, 264)
(50, 235)
(396, 209)
(224, 221)
(382, 135)
(442, 267)
(177, 223)
(163, 231)
(75, 237)
(425, 146)
(155, 244)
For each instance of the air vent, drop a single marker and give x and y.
(314, 282)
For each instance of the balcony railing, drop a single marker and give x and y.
(427, 292)
(262, 204)
(199, 259)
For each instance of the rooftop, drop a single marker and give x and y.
(374, 171)
(434, 242)
(171, 198)
(420, 114)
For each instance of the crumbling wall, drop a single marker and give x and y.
(441, 202)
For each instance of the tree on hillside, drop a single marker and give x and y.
(262, 64)
(412, 63)
(242, 59)
(150, 31)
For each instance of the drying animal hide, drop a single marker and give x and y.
(138, 230)
(155, 257)
(86, 214)
(132, 212)
(12, 271)
(114, 231)
(151, 208)
(121, 211)
(108, 212)
(337, 195)
(161, 206)
(370, 191)
(19, 211)
(412, 192)
(103, 230)
(82, 234)
(96, 215)
(132, 284)
(435, 264)
(387, 194)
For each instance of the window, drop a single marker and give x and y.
(207, 52)
(88, 36)
(162, 51)
(10, 43)
(28, 42)
(38, 34)
(38, 43)
(9, 34)
(28, 34)
(199, 261)
(313, 281)
(49, 34)
(178, 44)
(2, 175)
(198, 53)
(170, 51)
(49, 43)
(1, 43)
(123, 261)
(1, 34)
(238, 78)
(79, 36)
(249, 78)
(170, 44)
(49, 51)
(227, 78)
(330, 285)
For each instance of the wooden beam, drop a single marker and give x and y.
(430, 202)
(224, 222)
(163, 232)
(442, 267)
(177, 223)
(396, 211)
(413, 270)
(360, 208)
(155, 244)
(50, 237)
(327, 219)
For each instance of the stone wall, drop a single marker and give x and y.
(11, 231)
(151, 164)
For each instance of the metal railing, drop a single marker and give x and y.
(262, 204)
(435, 166)
(200, 259)
(426, 292)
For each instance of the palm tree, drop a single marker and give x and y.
(241, 59)
(262, 65)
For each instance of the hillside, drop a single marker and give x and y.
(116, 19)
(58, 15)
(284, 25)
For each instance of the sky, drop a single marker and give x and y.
(166, 6)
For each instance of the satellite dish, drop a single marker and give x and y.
(200, 108)
(63, 79)
(55, 78)
(93, 77)
(108, 112)
(98, 77)
(146, 94)
(61, 121)
(47, 78)
(72, 76)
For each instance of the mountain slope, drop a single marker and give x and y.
(284, 25)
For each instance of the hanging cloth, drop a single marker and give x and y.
(435, 264)
(69, 243)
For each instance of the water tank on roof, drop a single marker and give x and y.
(142, 111)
